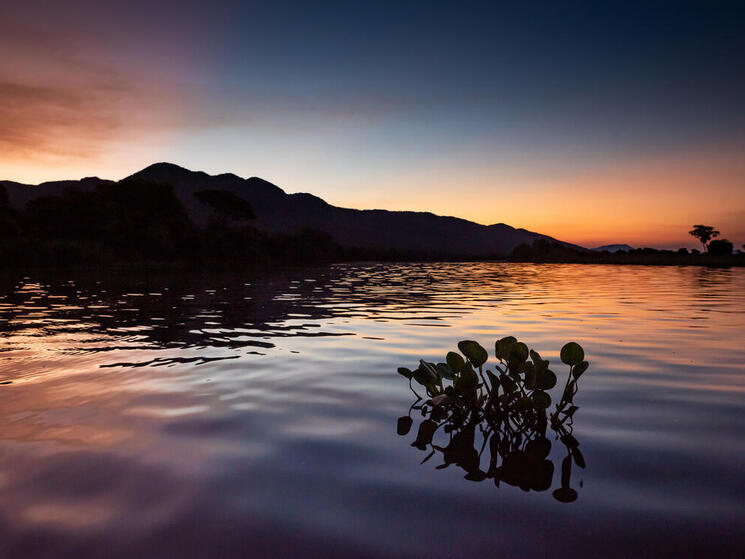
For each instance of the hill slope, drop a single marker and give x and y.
(277, 212)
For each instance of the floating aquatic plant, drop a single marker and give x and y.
(509, 405)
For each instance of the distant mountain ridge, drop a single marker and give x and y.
(277, 212)
(614, 248)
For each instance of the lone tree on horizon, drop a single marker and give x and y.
(704, 233)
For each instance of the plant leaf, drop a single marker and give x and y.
(547, 380)
(445, 371)
(503, 347)
(519, 352)
(474, 352)
(572, 354)
(455, 361)
(579, 369)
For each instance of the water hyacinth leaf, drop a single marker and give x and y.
(541, 399)
(540, 366)
(455, 361)
(547, 380)
(404, 425)
(445, 371)
(504, 346)
(525, 367)
(422, 376)
(531, 383)
(572, 354)
(404, 372)
(579, 369)
(467, 380)
(431, 368)
(426, 375)
(518, 352)
(535, 356)
(474, 352)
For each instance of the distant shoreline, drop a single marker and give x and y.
(225, 265)
(737, 260)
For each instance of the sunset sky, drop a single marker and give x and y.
(591, 124)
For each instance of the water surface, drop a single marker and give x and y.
(255, 414)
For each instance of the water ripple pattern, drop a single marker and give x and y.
(217, 414)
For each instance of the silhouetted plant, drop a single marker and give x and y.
(704, 233)
(509, 407)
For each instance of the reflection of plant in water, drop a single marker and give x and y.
(508, 408)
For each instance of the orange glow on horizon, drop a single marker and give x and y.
(650, 202)
(642, 203)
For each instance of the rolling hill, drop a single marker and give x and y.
(265, 206)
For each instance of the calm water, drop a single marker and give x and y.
(219, 415)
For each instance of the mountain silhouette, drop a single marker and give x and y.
(272, 211)
(614, 248)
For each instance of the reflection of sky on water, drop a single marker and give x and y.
(185, 411)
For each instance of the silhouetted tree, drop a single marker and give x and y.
(720, 247)
(704, 233)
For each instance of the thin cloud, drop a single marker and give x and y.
(59, 121)
(65, 99)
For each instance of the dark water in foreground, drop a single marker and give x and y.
(256, 415)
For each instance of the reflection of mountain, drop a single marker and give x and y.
(166, 311)
(224, 313)
(235, 200)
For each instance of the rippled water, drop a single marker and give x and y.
(255, 415)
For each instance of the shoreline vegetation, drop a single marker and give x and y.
(305, 249)
(543, 252)
(138, 223)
